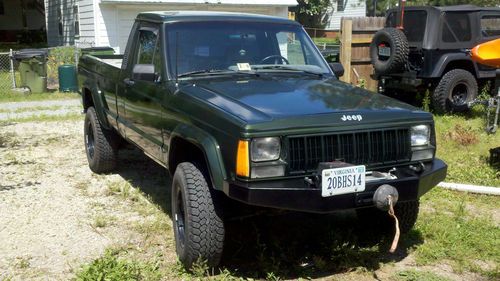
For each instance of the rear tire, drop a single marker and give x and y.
(406, 212)
(99, 144)
(455, 89)
(394, 39)
(197, 219)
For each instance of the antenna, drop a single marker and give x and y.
(176, 57)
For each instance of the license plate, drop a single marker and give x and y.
(342, 180)
(384, 51)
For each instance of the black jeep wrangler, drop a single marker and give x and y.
(429, 49)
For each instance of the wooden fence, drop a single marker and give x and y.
(355, 38)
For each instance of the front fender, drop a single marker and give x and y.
(210, 148)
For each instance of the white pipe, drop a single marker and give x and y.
(471, 188)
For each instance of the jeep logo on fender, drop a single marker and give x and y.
(351, 117)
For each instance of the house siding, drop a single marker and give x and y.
(353, 8)
(12, 17)
(87, 24)
(52, 21)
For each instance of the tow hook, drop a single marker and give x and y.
(384, 198)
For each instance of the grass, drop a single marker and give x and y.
(12, 96)
(112, 267)
(417, 275)
(328, 41)
(46, 118)
(464, 145)
(459, 228)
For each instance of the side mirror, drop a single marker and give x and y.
(337, 69)
(144, 72)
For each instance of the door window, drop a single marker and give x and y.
(148, 50)
(490, 25)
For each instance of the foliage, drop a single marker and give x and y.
(311, 13)
(111, 267)
(59, 56)
(417, 275)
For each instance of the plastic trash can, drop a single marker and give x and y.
(32, 69)
(67, 78)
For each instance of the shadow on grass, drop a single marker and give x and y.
(287, 244)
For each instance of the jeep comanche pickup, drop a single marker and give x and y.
(244, 109)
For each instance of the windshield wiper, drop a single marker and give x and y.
(287, 68)
(215, 71)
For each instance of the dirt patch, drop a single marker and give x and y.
(50, 202)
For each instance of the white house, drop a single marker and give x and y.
(108, 22)
(17, 16)
(344, 8)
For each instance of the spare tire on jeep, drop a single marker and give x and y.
(389, 50)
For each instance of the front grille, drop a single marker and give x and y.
(360, 148)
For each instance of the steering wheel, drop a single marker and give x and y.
(275, 57)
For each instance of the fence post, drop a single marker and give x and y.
(345, 48)
(12, 73)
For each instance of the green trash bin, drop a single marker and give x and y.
(67, 78)
(33, 69)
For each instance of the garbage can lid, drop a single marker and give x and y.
(30, 53)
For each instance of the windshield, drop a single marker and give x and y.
(209, 47)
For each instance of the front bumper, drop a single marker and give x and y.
(295, 194)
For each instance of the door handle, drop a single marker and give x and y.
(129, 82)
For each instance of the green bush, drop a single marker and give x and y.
(59, 56)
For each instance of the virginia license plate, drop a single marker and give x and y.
(384, 51)
(342, 180)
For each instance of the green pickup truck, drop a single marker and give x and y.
(244, 111)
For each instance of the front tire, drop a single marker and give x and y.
(99, 144)
(406, 212)
(455, 90)
(197, 220)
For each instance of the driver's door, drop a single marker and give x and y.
(144, 97)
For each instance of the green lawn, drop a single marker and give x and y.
(12, 96)
(463, 143)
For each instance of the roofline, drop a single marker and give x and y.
(285, 3)
(197, 16)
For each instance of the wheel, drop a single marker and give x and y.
(406, 212)
(455, 90)
(389, 51)
(276, 58)
(197, 219)
(99, 144)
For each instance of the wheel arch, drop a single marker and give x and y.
(91, 97)
(190, 144)
(448, 62)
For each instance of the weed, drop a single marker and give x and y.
(9, 140)
(23, 263)
(103, 221)
(200, 268)
(462, 135)
(112, 267)
(426, 101)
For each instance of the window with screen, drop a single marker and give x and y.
(490, 25)
(76, 16)
(456, 27)
(340, 5)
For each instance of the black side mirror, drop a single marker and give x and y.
(144, 72)
(337, 69)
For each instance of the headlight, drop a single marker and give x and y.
(420, 135)
(265, 149)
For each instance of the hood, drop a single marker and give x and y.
(262, 99)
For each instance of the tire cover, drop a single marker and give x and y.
(389, 51)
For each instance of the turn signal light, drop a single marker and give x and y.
(242, 159)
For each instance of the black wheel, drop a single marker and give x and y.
(455, 90)
(276, 58)
(99, 144)
(406, 212)
(197, 219)
(389, 51)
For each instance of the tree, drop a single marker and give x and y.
(312, 13)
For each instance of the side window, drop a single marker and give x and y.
(490, 25)
(456, 27)
(148, 50)
(290, 47)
